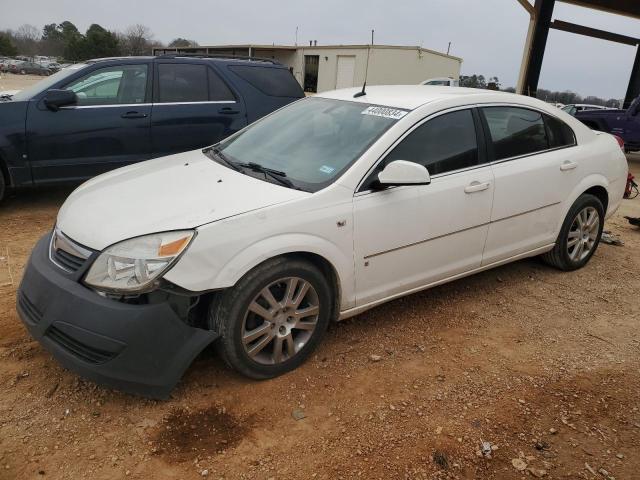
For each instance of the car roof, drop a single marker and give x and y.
(413, 96)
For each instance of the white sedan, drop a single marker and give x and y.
(319, 211)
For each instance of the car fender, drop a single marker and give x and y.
(590, 181)
(227, 273)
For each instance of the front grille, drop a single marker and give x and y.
(67, 254)
(29, 309)
(67, 261)
(77, 348)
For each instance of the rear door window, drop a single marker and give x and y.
(182, 82)
(218, 90)
(272, 81)
(515, 131)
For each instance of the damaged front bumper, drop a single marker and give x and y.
(138, 348)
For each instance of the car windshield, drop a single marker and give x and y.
(46, 83)
(312, 141)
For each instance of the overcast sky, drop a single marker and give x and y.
(488, 34)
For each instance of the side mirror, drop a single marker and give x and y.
(54, 99)
(402, 172)
(636, 109)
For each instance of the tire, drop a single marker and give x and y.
(586, 239)
(276, 330)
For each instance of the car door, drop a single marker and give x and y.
(535, 169)
(193, 107)
(410, 236)
(106, 129)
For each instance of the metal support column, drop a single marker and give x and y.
(634, 81)
(544, 11)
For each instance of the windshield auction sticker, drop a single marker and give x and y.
(385, 112)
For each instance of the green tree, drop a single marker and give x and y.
(183, 42)
(6, 46)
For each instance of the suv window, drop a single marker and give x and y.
(218, 90)
(515, 131)
(182, 82)
(560, 134)
(275, 82)
(442, 144)
(123, 84)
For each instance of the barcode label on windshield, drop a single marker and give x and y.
(385, 112)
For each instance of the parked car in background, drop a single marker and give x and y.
(442, 82)
(93, 117)
(53, 67)
(623, 123)
(322, 210)
(574, 108)
(11, 65)
(32, 68)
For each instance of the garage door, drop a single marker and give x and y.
(346, 71)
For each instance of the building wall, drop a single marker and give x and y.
(387, 66)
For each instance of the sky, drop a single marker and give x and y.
(488, 34)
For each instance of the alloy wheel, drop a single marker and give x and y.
(583, 234)
(280, 320)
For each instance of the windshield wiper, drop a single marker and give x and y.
(277, 175)
(212, 151)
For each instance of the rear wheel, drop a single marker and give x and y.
(273, 318)
(579, 236)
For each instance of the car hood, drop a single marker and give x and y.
(181, 191)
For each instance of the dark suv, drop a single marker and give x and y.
(93, 117)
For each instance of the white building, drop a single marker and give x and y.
(326, 67)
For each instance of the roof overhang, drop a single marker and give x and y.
(628, 8)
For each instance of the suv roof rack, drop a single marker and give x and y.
(221, 56)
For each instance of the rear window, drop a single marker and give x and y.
(560, 134)
(275, 82)
(182, 82)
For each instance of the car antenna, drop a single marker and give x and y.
(366, 71)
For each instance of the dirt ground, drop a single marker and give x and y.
(543, 365)
(12, 81)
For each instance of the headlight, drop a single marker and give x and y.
(133, 265)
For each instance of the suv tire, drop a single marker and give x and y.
(273, 318)
(579, 236)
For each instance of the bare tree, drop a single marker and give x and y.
(137, 40)
(26, 40)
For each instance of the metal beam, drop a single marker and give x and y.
(633, 90)
(628, 8)
(542, 22)
(527, 6)
(594, 33)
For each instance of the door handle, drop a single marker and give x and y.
(568, 165)
(133, 115)
(228, 111)
(476, 187)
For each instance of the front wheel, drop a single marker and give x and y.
(579, 236)
(273, 318)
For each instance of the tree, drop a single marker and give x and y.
(56, 38)
(26, 39)
(96, 42)
(6, 46)
(473, 81)
(136, 40)
(183, 42)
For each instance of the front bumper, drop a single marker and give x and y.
(141, 349)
